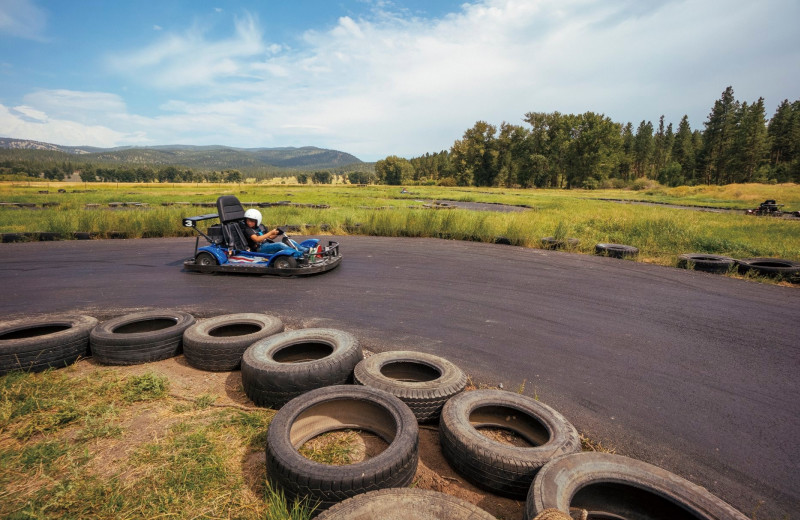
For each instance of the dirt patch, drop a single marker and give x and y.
(504, 437)
(224, 389)
(434, 472)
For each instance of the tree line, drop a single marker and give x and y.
(590, 150)
(90, 173)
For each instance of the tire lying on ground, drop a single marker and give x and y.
(497, 467)
(559, 243)
(283, 366)
(140, 337)
(218, 343)
(707, 263)
(616, 250)
(770, 267)
(613, 486)
(36, 344)
(423, 381)
(405, 504)
(339, 408)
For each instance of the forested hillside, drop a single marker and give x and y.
(737, 144)
(173, 163)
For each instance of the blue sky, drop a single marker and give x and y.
(375, 77)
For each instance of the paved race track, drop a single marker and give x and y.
(693, 372)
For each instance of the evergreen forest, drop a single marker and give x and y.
(737, 145)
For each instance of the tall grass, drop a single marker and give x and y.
(661, 233)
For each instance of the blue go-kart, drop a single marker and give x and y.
(228, 250)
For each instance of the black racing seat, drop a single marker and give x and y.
(231, 216)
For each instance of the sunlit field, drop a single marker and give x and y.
(660, 232)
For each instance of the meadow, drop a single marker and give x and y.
(659, 231)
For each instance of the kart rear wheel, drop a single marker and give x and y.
(284, 262)
(205, 259)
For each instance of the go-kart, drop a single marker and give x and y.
(229, 252)
(768, 207)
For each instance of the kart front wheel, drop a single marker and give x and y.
(205, 259)
(284, 262)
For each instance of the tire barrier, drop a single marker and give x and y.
(423, 381)
(397, 389)
(140, 337)
(494, 466)
(281, 367)
(337, 408)
(770, 267)
(217, 344)
(616, 250)
(613, 486)
(36, 344)
(405, 504)
(707, 263)
(559, 243)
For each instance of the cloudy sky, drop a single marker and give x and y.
(375, 77)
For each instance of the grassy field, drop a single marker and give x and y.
(660, 232)
(96, 442)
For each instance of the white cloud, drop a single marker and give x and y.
(190, 60)
(83, 107)
(22, 19)
(27, 113)
(27, 123)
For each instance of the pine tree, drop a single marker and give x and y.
(718, 139)
(683, 150)
(643, 149)
(660, 147)
(626, 159)
(752, 141)
(780, 133)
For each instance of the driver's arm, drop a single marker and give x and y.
(269, 235)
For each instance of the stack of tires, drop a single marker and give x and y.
(308, 374)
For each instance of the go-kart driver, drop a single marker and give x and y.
(259, 237)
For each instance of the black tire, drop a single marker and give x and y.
(36, 344)
(770, 267)
(494, 466)
(613, 486)
(281, 367)
(284, 262)
(423, 381)
(405, 504)
(217, 344)
(140, 337)
(707, 263)
(339, 408)
(556, 243)
(616, 250)
(204, 258)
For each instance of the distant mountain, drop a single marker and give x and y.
(24, 144)
(195, 157)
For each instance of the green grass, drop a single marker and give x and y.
(72, 446)
(661, 233)
(334, 448)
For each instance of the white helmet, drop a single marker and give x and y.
(253, 214)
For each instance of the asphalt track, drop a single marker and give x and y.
(693, 372)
